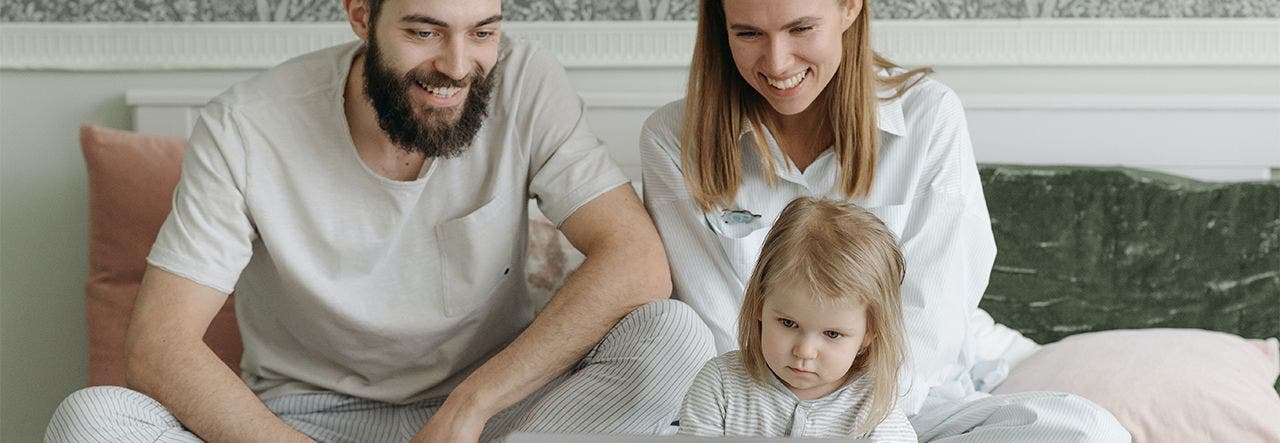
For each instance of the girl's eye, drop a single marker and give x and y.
(787, 323)
(832, 334)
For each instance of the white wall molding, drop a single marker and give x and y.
(1162, 132)
(1121, 102)
(637, 44)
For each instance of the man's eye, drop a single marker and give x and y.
(424, 34)
(484, 34)
(748, 34)
(833, 334)
(787, 323)
(801, 30)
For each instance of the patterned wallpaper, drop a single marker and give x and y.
(331, 10)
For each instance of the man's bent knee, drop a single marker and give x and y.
(102, 413)
(673, 329)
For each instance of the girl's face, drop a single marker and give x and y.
(788, 50)
(810, 346)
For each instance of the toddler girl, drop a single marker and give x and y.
(820, 335)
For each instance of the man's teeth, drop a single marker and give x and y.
(788, 83)
(442, 91)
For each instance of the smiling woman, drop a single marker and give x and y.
(787, 99)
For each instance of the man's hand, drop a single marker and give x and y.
(452, 423)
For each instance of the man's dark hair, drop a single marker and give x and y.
(375, 9)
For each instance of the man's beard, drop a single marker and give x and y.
(424, 129)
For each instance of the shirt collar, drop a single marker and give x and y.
(862, 384)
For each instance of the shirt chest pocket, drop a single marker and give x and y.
(477, 255)
(741, 237)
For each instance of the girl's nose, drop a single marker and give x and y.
(804, 349)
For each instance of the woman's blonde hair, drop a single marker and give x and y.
(718, 99)
(846, 256)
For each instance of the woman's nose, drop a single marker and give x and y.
(777, 59)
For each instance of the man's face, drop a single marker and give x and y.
(429, 71)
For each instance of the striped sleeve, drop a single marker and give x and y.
(894, 429)
(703, 411)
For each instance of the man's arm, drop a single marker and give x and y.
(167, 359)
(625, 268)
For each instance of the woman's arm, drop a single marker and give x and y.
(948, 248)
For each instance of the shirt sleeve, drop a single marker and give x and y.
(207, 237)
(703, 411)
(700, 274)
(894, 429)
(948, 249)
(569, 166)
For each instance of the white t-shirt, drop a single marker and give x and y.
(350, 282)
(725, 401)
(926, 190)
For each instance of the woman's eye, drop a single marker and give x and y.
(832, 334)
(787, 323)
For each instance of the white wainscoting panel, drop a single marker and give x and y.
(1216, 138)
(1208, 135)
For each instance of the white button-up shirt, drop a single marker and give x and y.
(926, 190)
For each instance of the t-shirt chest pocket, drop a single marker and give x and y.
(477, 255)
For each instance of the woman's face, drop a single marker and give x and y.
(788, 50)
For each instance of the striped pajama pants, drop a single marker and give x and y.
(632, 382)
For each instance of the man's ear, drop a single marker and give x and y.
(358, 17)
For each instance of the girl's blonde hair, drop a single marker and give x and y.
(718, 99)
(846, 256)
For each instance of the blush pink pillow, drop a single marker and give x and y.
(131, 181)
(1165, 385)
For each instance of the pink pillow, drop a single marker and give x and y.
(550, 258)
(131, 181)
(1165, 385)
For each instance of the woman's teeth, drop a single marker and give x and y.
(790, 82)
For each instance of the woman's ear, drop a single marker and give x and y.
(358, 17)
(852, 9)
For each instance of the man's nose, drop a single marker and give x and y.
(454, 61)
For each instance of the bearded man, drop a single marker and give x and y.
(368, 205)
